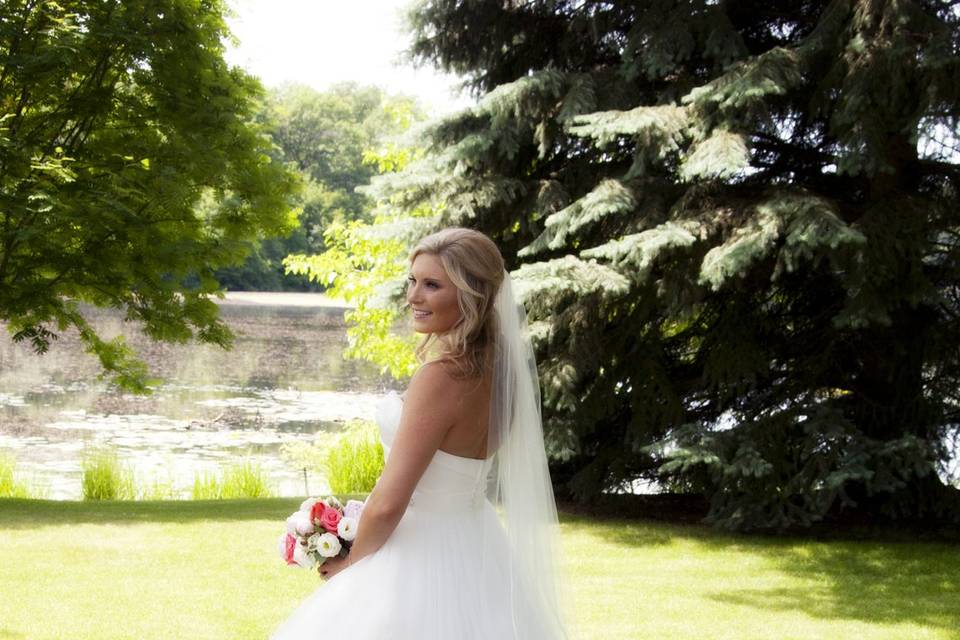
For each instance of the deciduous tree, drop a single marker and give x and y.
(115, 119)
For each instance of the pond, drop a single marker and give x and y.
(284, 381)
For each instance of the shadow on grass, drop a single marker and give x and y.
(639, 520)
(18, 513)
(684, 515)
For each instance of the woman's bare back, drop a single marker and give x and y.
(467, 437)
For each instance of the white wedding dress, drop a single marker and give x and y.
(426, 582)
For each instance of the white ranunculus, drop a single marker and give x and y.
(328, 545)
(301, 557)
(347, 528)
(333, 502)
(308, 505)
(299, 524)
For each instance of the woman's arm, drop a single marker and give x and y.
(375, 526)
(430, 408)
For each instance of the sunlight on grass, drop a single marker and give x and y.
(210, 569)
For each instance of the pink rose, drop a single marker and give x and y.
(291, 545)
(330, 519)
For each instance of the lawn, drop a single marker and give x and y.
(210, 569)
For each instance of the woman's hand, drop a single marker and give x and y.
(332, 566)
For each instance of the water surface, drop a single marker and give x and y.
(285, 380)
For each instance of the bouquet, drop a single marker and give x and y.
(322, 528)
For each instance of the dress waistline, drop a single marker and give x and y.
(446, 501)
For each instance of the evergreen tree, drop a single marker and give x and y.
(736, 230)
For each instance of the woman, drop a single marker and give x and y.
(464, 448)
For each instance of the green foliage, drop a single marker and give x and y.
(326, 134)
(351, 461)
(365, 263)
(104, 476)
(158, 489)
(115, 119)
(206, 486)
(335, 140)
(718, 211)
(767, 485)
(359, 267)
(355, 461)
(244, 479)
(10, 487)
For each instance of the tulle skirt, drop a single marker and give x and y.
(427, 582)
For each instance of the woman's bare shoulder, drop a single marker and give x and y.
(439, 375)
(434, 372)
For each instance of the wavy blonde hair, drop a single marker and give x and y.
(474, 264)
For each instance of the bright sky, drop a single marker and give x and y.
(321, 42)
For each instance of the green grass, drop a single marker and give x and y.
(210, 569)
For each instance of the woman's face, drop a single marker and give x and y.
(429, 290)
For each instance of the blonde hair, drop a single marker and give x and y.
(474, 264)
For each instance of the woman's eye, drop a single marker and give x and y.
(411, 280)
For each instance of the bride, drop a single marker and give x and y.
(458, 539)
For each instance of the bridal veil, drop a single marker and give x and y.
(518, 479)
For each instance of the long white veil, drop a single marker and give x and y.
(520, 486)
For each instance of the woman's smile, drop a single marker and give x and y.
(432, 296)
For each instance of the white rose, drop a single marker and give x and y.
(328, 545)
(308, 505)
(299, 524)
(347, 528)
(333, 503)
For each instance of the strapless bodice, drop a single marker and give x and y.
(450, 482)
